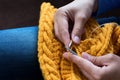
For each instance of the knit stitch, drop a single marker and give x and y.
(96, 41)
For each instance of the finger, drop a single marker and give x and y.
(61, 27)
(56, 29)
(101, 60)
(82, 63)
(78, 28)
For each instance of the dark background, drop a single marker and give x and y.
(18, 13)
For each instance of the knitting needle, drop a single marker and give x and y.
(70, 44)
(70, 50)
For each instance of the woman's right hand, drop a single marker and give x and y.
(79, 11)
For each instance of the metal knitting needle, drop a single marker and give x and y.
(70, 50)
(70, 43)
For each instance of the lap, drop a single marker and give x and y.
(18, 54)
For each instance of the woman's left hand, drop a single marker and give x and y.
(105, 67)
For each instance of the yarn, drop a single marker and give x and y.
(96, 41)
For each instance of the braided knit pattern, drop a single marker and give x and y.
(96, 41)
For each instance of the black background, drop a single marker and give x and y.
(18, 13)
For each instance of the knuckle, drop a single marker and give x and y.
(93, 60)
(78, 29)
(81, 17)
(60, 12)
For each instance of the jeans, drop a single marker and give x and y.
(18, 53)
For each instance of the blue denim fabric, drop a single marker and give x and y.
(18, 54)
(108, 20)
(107, 5)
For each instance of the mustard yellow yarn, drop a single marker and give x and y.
(96, 41)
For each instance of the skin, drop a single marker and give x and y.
(94, 68)
(97, 68)
(78, 14)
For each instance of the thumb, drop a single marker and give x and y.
(78, 30)
(99, 61)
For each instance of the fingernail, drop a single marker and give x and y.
(76, 39)
(85, 55)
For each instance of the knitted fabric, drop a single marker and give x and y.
(96, 41)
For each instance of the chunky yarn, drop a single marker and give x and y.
(96, 41)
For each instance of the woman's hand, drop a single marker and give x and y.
(105, 67)
(78, 11)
